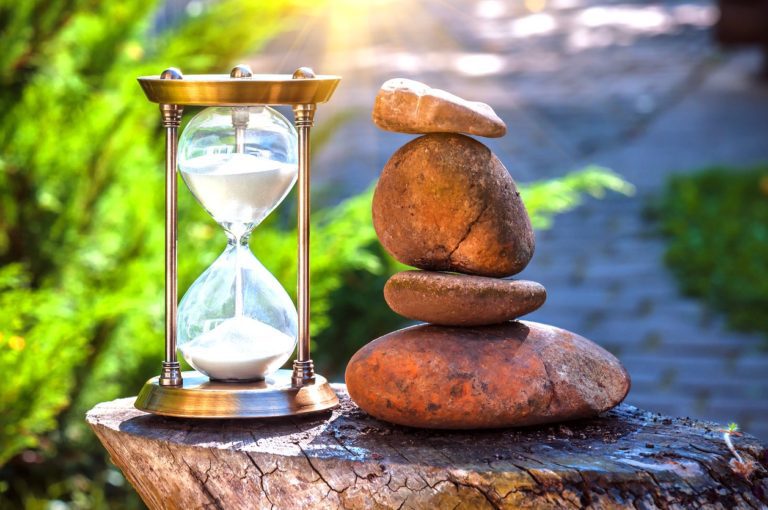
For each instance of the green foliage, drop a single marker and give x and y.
(717, 225)
(42, 341)
(545, 199)
(81, 193)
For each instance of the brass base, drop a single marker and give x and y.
(200, 397)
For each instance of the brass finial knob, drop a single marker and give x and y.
(303, 73)
(172, 73)
(241, 71)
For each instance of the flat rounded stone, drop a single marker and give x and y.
(408, 106)
(444, 202)
(451, 299)
(507, 375)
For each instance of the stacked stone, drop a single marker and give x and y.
(445, 204)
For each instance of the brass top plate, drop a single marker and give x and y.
(221, 90)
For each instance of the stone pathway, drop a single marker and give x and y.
(635, 87)
(603, 264)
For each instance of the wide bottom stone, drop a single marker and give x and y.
(512, 374)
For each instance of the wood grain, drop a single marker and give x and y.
(627, 458)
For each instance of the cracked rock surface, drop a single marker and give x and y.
(445, 202)
(511, 374)
(625, 458)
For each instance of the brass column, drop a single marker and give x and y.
(171, 371)
(304, 114)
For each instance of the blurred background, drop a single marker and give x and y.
(638, 132)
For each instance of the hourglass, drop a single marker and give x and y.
(236, 325)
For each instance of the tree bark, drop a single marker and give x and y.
(627, 458)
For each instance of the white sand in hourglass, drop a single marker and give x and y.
(238, 188)
(239, 348)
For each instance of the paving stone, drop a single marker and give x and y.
(714, 367)
(727, 388)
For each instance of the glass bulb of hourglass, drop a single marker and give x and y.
(236, 322)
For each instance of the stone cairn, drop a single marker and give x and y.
(445, 204)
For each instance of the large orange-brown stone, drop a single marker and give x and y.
(451, 299)
(444, 202)
(513, 374)
(408, 106)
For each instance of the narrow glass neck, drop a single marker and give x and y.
(237, 233)
(233, 240)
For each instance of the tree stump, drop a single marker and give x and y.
(627, 458)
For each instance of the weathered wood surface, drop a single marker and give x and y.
(627, 458)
